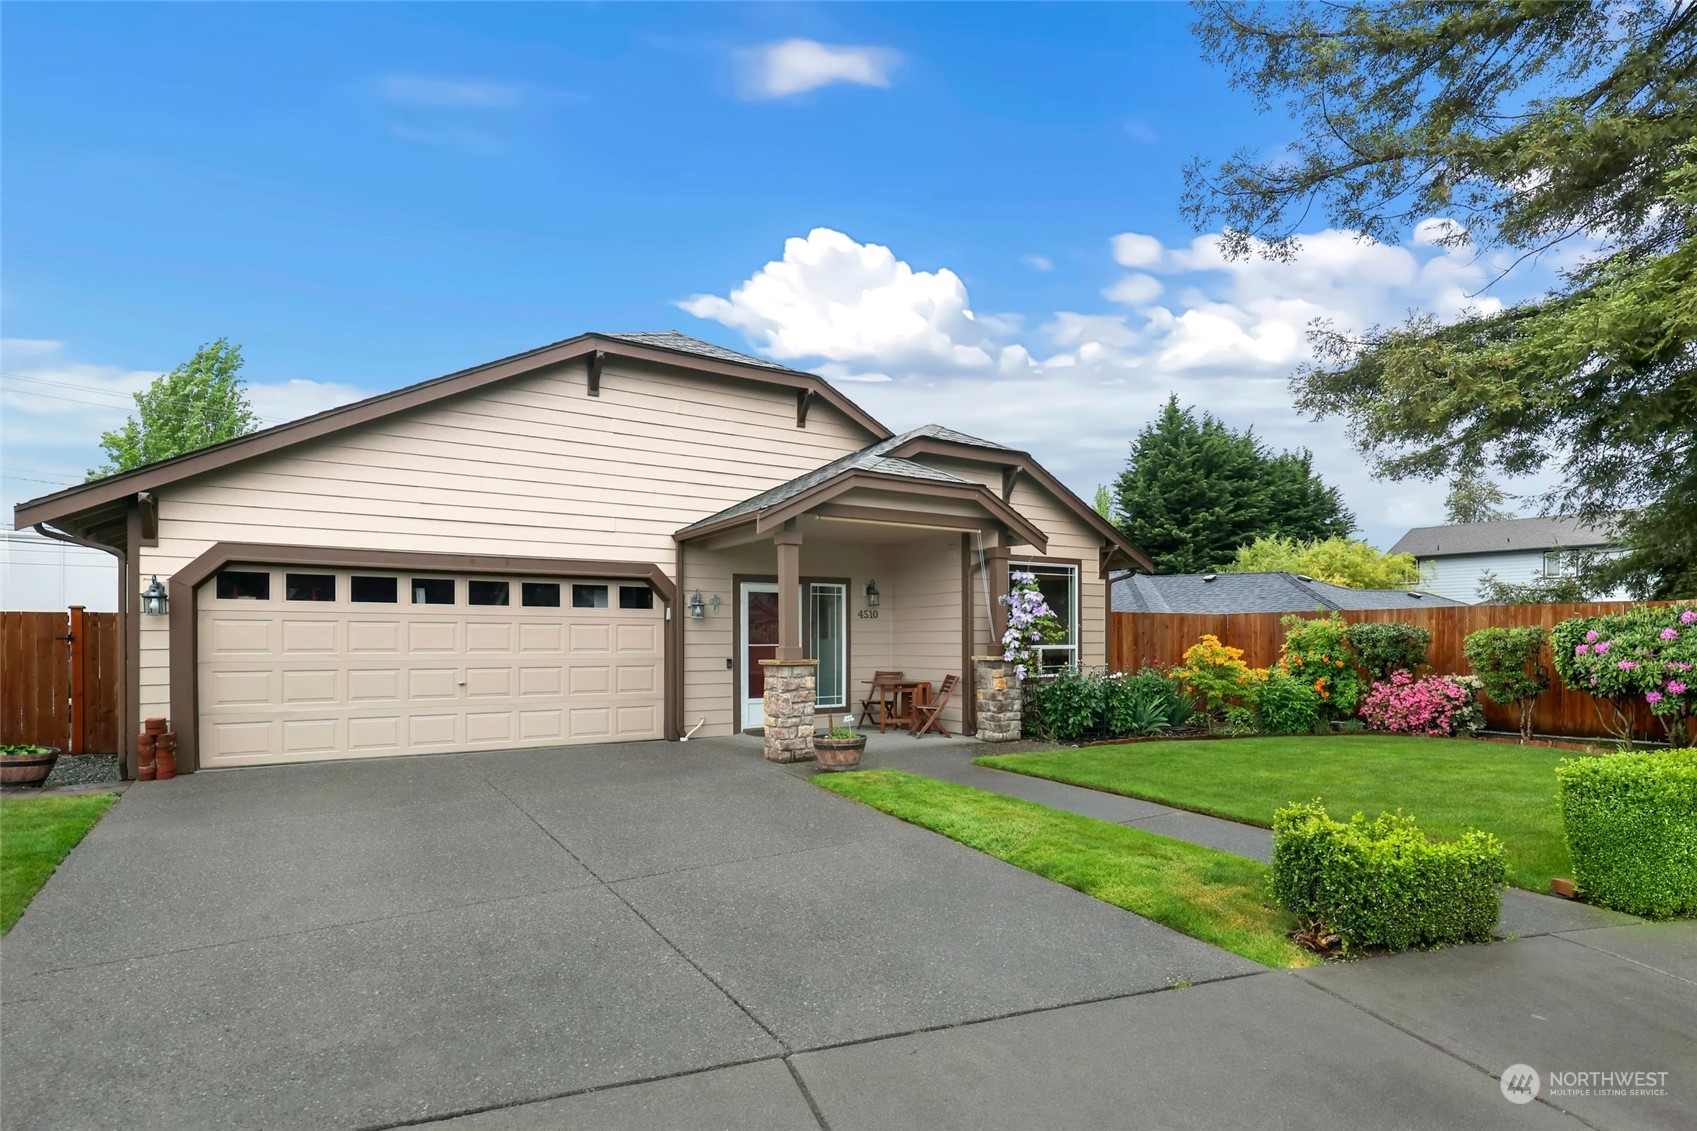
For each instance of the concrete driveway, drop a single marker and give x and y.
(373, 943)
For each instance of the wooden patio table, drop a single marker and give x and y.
(896, 699)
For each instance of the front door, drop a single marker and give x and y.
(759, 601)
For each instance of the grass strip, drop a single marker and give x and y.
(35, 834)
(1449, 785)
(1207, 894)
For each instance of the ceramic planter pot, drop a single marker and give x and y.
(28, 771)
(838, 754)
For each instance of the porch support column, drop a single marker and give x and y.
(788, 543)
(996, 561)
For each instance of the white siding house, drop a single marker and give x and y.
(1453, 559)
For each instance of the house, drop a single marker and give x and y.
(1254, 593)
(615, 537)
(1453, 558)
(41, 575)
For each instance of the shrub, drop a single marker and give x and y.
(1437, 705)
(1508, 664)
(1386, 648)
(1314, 652)
(1078, 703)
(1382, 882)
(1285, 705)
(1645, 655)
(1217, 675)
(1631, 823)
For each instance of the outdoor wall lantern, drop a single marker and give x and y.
(872, 594)
(697, 607)
(153, 599)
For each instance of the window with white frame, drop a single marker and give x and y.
(1059, 586)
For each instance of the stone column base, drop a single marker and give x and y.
(998, 700)
(791, 689)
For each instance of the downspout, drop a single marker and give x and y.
(126, 611)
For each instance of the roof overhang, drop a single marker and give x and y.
(115, 488)
(818, 499)
(1123, 553)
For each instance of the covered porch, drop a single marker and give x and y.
(806, 594)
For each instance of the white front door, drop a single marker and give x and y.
(759, 613)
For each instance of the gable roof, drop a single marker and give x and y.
(1498, 537)
(666, 348)
(1253, 593)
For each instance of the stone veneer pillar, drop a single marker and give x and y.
(996, 694)
(790, 695)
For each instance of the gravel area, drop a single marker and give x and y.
(82, 769)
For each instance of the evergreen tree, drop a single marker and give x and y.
(1195, 490)
(1522, 128)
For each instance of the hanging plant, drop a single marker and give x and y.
(1030, 622)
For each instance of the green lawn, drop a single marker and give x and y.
(1447, 784)
(35, 834)
(1210, 895)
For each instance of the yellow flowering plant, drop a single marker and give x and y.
(1216, 674)
(1315, 651)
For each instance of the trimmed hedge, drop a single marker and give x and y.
(1382, 883)
(1631, 823)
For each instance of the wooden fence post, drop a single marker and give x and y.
(79, 668)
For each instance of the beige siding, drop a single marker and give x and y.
(533, 467)
(926, 640)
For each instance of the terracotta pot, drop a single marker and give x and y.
(838, 754)
(153, 726)
(28, 771)
(165, 766)
(166, 742)
(146, 771)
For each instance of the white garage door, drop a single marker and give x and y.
(297, 664)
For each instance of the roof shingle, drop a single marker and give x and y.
(1496, 537)
(1253, 593)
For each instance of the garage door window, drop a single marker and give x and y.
(589, 596)
(374, 590)
(540, 594)
(432, 590)
(243, 585)
(309, 587)
(636, 597)
(486, 592)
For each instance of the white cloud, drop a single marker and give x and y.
(1224, 335)
(796, 66)
(1134, 290)
(1038, 262)
(417, 90)
(1139, 130)
(1439, 231)
(1134, 250)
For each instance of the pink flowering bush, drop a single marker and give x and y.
(1437, 705)
(1643, 656)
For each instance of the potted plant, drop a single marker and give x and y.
(839, 748)
(26, 763)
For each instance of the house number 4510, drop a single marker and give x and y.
(869, 614)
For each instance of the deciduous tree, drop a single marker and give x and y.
(201, 402)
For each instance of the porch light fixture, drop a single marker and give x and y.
(872, 594)
(153, 599)
(697, 607)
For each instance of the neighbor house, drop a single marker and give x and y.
(1454, 559)
(599, 540)
(46, 576)
(1255, 593)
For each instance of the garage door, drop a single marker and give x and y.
(299, 664)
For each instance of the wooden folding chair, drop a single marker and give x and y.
(930, 714)
(876, 702)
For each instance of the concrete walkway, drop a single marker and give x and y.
(662, 936)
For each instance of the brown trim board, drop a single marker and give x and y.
(968, 708)
(74, 500)
(1023, 463)
(184, 620)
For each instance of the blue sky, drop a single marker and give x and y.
(962, 213)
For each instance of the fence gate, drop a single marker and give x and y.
(61, 676)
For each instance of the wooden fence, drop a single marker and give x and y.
(1138, 639)
(61, 680)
